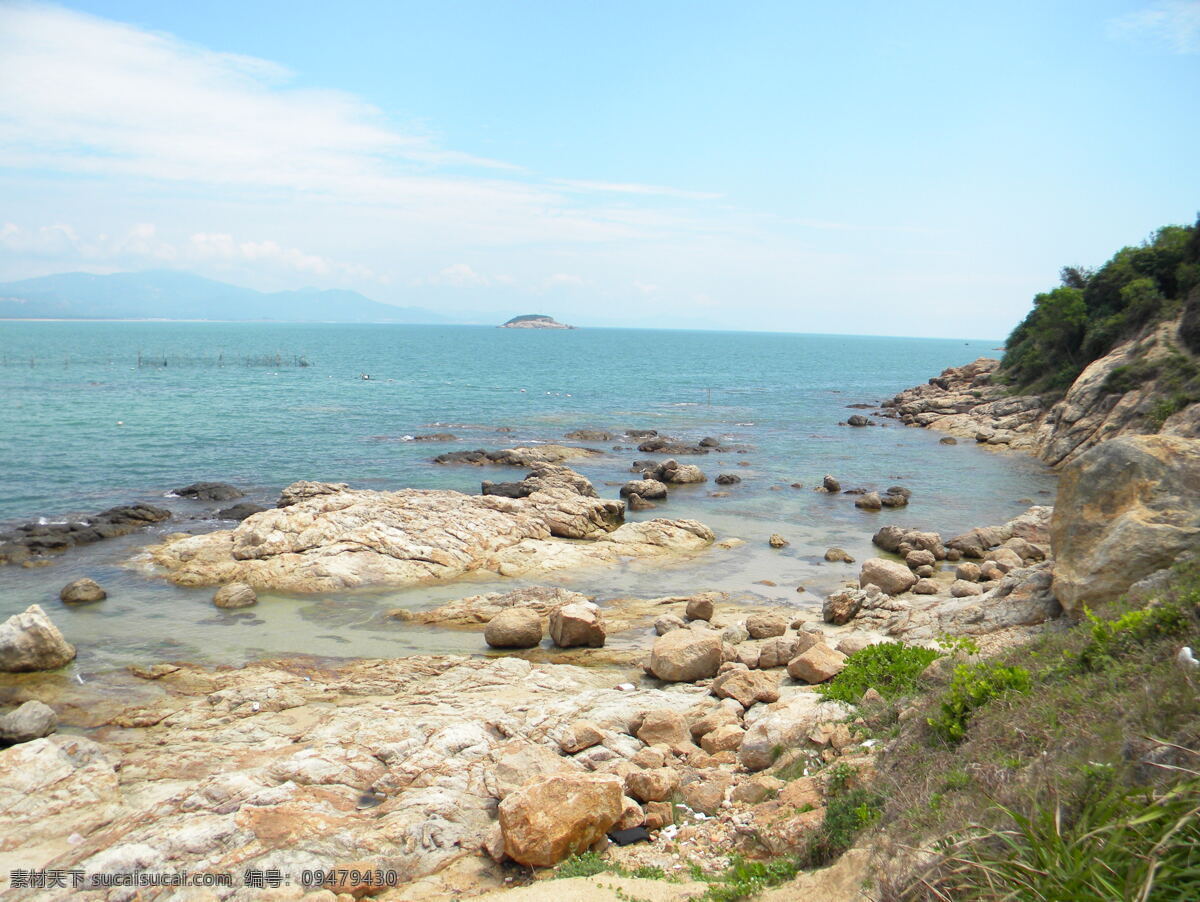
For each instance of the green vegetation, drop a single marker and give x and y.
(890, 668)
(1086, 786)
(1094, 310)
(1125, 844)
(973, 687)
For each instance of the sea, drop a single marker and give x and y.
(96, 414)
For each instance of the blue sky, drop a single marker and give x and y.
(878, 168)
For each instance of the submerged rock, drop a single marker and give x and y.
(235, 595)
(82, 591)
(209, 491)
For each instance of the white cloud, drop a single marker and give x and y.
(93, 97)
(1173, 22)
(459, 275)
(645, 288)
(142, 246)
(563, 280)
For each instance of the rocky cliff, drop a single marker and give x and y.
(1132, 390)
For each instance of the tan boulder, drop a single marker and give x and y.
(553, 817)
(514, 628)
(777, 541)
(892, 577)
(765, 625)
(632, 815)
(655, 785)
(747, 686)
(579, 624)
(777, 651)
(962, 588)
(818, 664)
(838, 555)
(686, 656)
(665, 726)
(659, 814)
(723, 739)
(700, 607)
(29, 641)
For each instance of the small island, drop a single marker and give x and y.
(535, 321)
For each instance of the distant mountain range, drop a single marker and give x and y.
(176, 295)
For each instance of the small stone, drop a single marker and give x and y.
(631, 816)
(665, 726)
(927, 586)
(920, 558)
(659, 815)
(636, 502)
(82, 591)
(777, 541)
(853, 643)
(580, 735)
(234, 595)
(831, 485)
(835, 555)
(948, 440)
(728, 479)
(868, 502)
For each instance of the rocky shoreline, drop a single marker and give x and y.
(969, 402)
(695, 717)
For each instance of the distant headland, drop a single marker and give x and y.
(534, 321)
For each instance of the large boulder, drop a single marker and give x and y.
(1125, 508)
(554, 817)
(514, 628)
(771, 729)
(892, 577)
(580, 623)
(686, 656)
(29, 641)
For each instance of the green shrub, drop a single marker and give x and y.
(973, 687)
(583, 865)
(890, 668)
(845, 816)
(1125, 844)
(745, 878)
(1112, 639)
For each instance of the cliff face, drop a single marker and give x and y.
(1129, 391)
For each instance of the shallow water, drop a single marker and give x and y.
(83, 427)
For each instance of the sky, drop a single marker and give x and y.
(870, 168)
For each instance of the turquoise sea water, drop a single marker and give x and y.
(97, 414)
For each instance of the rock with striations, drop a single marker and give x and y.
(29, 641)
(82, 591)
(234, 596)
(514, 628)
(892, 577)
(577, 624)
(32, 720)
(1125, 509)
(686, 656)
(329, 538)
(554, 817)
